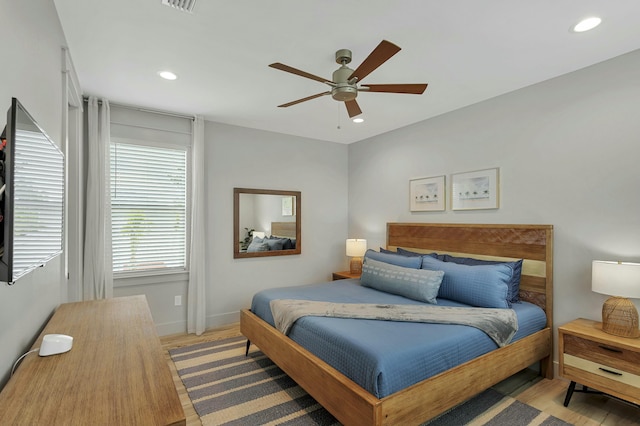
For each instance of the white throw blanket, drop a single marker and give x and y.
(499, 324)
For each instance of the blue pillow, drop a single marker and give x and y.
(393, 259)
(484, 286)
(384, 250)
(288, 244)
(275, 243)
(513, 295)
(409, 253)
(258, 244)
(416, 284)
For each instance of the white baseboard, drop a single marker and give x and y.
(169, 328)
(213, 321)
(221, 320)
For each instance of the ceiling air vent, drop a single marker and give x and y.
(183, 5)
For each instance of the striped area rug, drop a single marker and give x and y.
(491, 408)
(229, 388)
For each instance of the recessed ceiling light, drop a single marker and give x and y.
(586, 24)
(358, 120)
(167, 75)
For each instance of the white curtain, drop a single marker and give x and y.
(196, 303)
(98, 272)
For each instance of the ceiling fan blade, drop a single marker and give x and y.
(308, 98)
(417, 89)
(353, 108)
(379, 56)
(287, 68)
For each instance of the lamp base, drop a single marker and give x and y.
(620, 317)
(355, 267)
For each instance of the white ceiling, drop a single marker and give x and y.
(467, 50)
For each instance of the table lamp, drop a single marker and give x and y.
(356, 249)
(620, 280)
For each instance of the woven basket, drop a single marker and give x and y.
(620, 317)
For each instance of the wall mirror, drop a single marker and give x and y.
(266, 222)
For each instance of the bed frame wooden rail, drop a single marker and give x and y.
(352, 405)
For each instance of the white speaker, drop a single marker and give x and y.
(53, 344)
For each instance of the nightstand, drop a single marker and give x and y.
(343, 275)
(593, 358)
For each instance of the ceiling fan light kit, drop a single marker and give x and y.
(343, 90)
(344, 82)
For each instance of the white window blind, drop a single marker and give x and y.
(149, 207)
(38, 201)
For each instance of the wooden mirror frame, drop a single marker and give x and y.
(237, 254)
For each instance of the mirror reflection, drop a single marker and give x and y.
(266, 222)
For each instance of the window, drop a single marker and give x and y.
(148, 207)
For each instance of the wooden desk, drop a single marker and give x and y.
(116, 372)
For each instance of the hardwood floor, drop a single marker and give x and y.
(526, 386)
(583, 410)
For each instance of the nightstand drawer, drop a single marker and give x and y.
(602, 370)
(598, 360)
(609, 356)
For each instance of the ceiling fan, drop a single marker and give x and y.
(345, 82)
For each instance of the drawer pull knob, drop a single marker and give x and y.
(606, 348)
(610, 372)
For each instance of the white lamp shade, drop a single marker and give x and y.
(356, 247)
(616, 278)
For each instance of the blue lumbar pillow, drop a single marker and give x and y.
(416, 284)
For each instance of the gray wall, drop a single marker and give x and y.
(31, 45)
(241, 157)
(568, 152)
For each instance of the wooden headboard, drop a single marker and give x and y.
(283, 229)
(532, 243)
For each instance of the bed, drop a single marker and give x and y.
(351, 404)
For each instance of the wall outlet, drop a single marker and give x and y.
(177, 301)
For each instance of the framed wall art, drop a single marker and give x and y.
(427, 194)
(475, 190)
(288, 206)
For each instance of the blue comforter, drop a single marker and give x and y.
(384, 357)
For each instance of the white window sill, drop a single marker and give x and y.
(149, 278)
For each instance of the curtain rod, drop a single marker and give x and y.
(150, 128)
(154, 111)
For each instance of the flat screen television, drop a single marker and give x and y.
(31, 196)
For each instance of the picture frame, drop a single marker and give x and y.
(427, 194)
(288, 206)
(476, 190)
